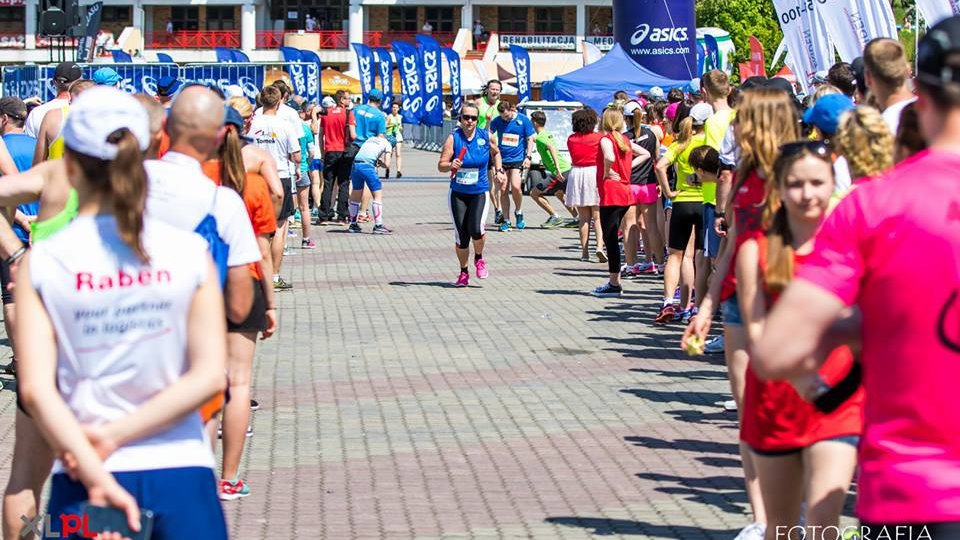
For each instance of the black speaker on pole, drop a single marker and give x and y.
(53, 22)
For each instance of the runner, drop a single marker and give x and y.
(257, 160)
(488, 106)
(617, 156)
(63, 76)
(395, 132)
(467, 155)
(716, 88)
(50, 133)
(557, 167)
(641, 219)
(887, 74)
(303, 178)
(582, 194)
(825, 117)
(909, 457)
(339, 128)
(866, 142)
(139, 431)
(374, 153)
(516, 140)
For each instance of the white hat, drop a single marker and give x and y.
(656, 93)
(631, 107)
(96, 114)
(700, 112)
(328, 102)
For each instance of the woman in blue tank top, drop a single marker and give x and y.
(467, 155)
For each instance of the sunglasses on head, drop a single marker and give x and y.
(469, 117)
(817, 148)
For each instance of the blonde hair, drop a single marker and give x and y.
(823, 90)
(242, 105)
(866, 141)
(612, 122)
(766, 120)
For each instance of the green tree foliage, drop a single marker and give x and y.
(742, 18)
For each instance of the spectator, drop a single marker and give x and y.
(310, 24)
(427, 27)
(844, 78)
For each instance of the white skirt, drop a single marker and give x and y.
(582, 187)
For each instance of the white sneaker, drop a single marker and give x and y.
(731, 405)
(753, 531)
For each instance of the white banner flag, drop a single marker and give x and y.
(853, 23)
(805, 37)
(935, 11)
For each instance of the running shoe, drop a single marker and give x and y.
(463, 280)
(505, 226)
(482, 272)
(521, 223)
(729, 405)
(714, 346)
(601, 255)
(676, 295)
(289, 252)
(291, 233)
(281, 285)
(296, 215)
(232, 490)
(572, 224)
(585, 258)
(628, 270)
(381, 229)
(498, 217)
(315, 213)
(754, 531)
(688, 314)
(308, 244)
(254, 405)
(607, 290)
(552, 222)
(354, 228)
(386, 175)
(666, 314)
(399, 174)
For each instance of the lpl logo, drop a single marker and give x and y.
(40, 525)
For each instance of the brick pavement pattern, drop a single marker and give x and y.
(396, 406)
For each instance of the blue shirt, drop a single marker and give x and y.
(472, 177)
(21, 148)
(512, 137)
(305, 141)
(371, 122)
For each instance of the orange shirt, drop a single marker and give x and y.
(256, 197)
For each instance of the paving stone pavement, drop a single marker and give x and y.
(396, 406)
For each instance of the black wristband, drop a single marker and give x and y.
(15, 256)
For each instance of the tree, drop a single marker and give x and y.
(742, 18)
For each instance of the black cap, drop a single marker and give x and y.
(67, 72)
(859, 68)
(942, 41)
(753, 82)
(781, 84)
(13, 107)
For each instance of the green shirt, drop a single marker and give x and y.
(41, 230)
(486, 112)
(714, 130)
(686, 191)
(394, 124)
(544, 141)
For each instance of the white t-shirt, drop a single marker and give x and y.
(841, 175)
(371, 150)
(181, 195)
(891, 115)
(121, 329)
(277, 136)
(35, 118)
(287, 113)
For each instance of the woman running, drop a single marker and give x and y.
(582, 194)
(616, 158)
(801, 454)
(123, 337)
(395, 136)
(467, 155)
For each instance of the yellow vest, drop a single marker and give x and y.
(55, 151)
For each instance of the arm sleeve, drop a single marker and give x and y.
(837, 263)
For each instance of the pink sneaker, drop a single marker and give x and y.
(482, 272)
(463, 280)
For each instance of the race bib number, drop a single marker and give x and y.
(468, 177)
(511, 139)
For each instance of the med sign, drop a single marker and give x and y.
(660, 35)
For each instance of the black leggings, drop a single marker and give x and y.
(469, 214)
(610, 218)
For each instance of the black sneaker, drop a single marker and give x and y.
(381, 229)
(498, 218)
(607, 291)
(354, 228)
(254, 405)
(399, 174)
(387, 175)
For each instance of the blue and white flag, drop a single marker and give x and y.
(365, 65)
(432, 81)
(521, 65)
(314, 68)
(296, 69)
(385, 70)
(453, 66)
(935, 11)
(409, 63)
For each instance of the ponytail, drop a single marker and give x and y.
(780, 256)
(232, 172)
(621, 141)
(685, 135)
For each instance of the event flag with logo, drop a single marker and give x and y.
(758, 64)
(806, 40)
(91, 25)
(431, 68)
(851, 24)
(452, 59)
(385, 73)
(521, 65)
(935, 11)
(365, 65)
(409, 63)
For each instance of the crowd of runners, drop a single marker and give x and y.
(142, 251)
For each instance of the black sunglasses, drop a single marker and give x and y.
(817, 148)
(469, 118)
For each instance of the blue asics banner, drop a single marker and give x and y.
(453, 65)
(521, 65)
(313, 75)
(409, 64)
(295, 69)
(365, 65)
(660, 35)
(385, 69)
(249, 77)
(432, 81)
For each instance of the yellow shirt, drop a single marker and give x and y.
(686, 191)
(55, 151)
(715, 129)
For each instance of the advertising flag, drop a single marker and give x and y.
(851, 24)
(409, 63)
(365, 65)
(758, 64)
(521, 65)
(91, 25)
(935, 11)
(805, 38)
(385, 72)
(453, 66)
(430, 64)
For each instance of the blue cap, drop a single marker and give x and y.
(375, 95)
(232, 116)
(106, 76)
(168, 86)
(826, 113)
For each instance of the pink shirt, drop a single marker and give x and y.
(892, 247)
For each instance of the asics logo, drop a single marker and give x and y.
(657, 34)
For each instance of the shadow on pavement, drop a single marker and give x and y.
(697, 375)
(614, 527)
(685, 445)
(438, 284)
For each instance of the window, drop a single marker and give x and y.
(403, 19)
(115, 14)
(11, 14)
(220, 18)
(548, 20)
(441, 18)
(512, 20)
(185, 18)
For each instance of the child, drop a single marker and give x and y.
(556, 185)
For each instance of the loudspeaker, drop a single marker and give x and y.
(53, 22)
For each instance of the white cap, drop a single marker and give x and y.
(233, 90)
(631, 107)
(96, 114)
(700, 112)
(328, 102)
(656, 93)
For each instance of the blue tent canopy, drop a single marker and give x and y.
(595, 84)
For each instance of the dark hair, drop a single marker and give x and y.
(654, 113)
(283, 87)
(491, 81)
(733, 100)
(683, 111)
(232, 172)
(538, 118)
(675, 95)
(340, 94)
(584, 120)
(909, 140)
(706, 158)
(504, 106)
(842, 76)
(622, 95)
(124, 181)
(269, 97)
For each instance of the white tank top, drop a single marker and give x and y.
(121, 329)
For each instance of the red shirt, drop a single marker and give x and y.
(334, 125)
(748, 212)
(615, 192)
(583, 148)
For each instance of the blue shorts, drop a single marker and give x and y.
(316, 165)
(711, 240)
(731, 312)
(364, 173)
(184, 501)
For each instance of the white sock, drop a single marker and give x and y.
(276, 278)
(377, 213)
(668, 301)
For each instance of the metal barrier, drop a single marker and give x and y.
(429, 138)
